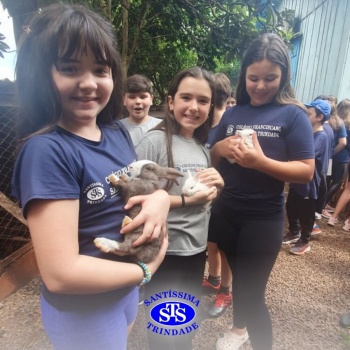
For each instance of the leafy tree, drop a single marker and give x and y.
(160, 37)
(3, 46)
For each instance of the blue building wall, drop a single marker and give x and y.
(323, 63)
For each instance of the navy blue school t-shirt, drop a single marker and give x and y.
(284, 133)
(61, 165)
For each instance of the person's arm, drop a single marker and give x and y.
(209, 177)
(296, 171)
(200, 197)
(224, 149)
(341, 145)
(53, 226)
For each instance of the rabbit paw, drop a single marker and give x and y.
(106, 245)
(114, 179)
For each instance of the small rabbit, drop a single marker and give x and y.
(192, 185)
(246, 135)
(144, 179)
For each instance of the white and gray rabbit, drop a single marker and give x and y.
(193, 185)
(246, 135)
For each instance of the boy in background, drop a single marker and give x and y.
(138, 98)
(302, 198)
(231, 101)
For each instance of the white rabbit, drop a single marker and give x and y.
(246, 135)
(193, 185)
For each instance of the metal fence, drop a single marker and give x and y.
(13, 230)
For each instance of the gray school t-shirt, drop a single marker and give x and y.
(188, 226)
(137, 131)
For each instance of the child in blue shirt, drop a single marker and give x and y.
(302, 198)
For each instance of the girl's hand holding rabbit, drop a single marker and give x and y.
(202, 187)
(234, 148)
(252, 158)
(211, 178)
(151, 215)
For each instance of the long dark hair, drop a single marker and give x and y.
(272, 48)
(55, 32)
(169, 124)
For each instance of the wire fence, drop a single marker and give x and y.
(13, 229)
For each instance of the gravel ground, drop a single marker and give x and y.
(306, 296)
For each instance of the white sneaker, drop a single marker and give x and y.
(231, 341)
(318, 216)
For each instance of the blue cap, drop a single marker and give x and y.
(322, 107)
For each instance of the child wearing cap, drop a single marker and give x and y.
(302, 198)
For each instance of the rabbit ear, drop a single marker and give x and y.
(196, 176)
(189, 174)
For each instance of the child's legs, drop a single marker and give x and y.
(251, 248)
(181, 274)
(92, 327)
(214, 259)
(292, 204)
(342, 201)
(307, 209)
(226, 274)
(338, 172)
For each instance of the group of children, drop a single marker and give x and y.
(307, 202)
(68, 75)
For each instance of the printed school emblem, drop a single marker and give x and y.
(172, 312)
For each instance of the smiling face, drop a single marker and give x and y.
(263, 80)
(191, 104)
(84, 86)
(138, 105)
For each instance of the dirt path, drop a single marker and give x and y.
(306, 296)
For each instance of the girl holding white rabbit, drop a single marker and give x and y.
(248, 217)
(178, 142)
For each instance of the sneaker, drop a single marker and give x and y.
(332, 221)
(300, 248)
(315, 230)
(330, 209)
(326, 214)
(318, 216)
(222, 302)
(345, 320)
(346, 226)
(231, 341)
(290, 238)
(141, 294)
(206, 285)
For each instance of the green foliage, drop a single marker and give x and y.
(3, 46)
(160, 37)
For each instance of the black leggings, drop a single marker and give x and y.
(251, 247)
(301, 214)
